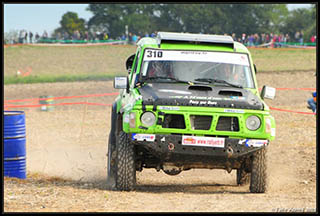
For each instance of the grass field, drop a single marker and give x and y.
(62, 63)
(284, 59)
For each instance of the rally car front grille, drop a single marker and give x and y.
(174, 121)
(226, 123)
(199, 122)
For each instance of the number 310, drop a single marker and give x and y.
(155, 54)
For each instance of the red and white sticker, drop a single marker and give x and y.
(203, 141)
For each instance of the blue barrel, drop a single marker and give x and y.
(14, 124)
(15, 168)
(14, 153)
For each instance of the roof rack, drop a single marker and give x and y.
(194, 38)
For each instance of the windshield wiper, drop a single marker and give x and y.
(167, 78)
(210, 80)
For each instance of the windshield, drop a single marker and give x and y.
(196, 66)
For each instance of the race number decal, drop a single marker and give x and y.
(154, 53)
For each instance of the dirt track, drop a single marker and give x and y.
(66, 159)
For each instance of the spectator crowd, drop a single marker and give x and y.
(250, 40)
(275, 40)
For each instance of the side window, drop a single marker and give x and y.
(136, 63)
(134, 69)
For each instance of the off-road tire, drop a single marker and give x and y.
(111, 162)
(258, 183)
(111, 153)
(125, 164)
(243, 178)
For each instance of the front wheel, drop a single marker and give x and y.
(125, 164)
(111, 162)
(258, 183)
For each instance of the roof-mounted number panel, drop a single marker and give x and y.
(170, 37)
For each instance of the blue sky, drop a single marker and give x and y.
(40, 17)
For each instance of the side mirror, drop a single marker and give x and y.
(255, 68)
(129, 62)
(268, 92)
(121, 83)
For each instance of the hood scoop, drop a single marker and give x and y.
(230, 93)
(200, 88)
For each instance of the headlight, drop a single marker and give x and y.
(148, 119)
(253, 123)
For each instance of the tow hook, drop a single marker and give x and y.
(170, 146)
(229, 152)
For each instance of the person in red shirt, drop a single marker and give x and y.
(312, 39)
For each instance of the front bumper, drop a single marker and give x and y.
(223, 148)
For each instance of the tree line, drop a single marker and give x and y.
(115, 21)
(203, 18)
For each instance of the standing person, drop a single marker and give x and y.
(312, 39)
(86, 36)
(65, 36)
(45, 35)
(37, 37)
(243, 38)
(78, 35)
(297, 36)
(130, 38)
(284, 39)
(301, 38)
(20, 37)
(30, 37)
(287, 38)
(134, 38)
(58, 36)
(26, 37)
(267, 38)
(256, 39)
(251, 40)
(105, 36)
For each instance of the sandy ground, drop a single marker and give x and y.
(66, 159)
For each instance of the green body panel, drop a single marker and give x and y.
(207, 111)
(132, 102)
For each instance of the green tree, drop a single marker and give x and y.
(70, 22)
(301, 19)
(201, 18)
(106, 18)
(112, 18)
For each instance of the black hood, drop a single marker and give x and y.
(199, 95)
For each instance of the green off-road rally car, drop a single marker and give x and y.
(190, 101)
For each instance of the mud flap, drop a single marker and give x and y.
(111, 181)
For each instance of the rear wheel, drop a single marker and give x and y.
(258, 183)
(125, 164)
